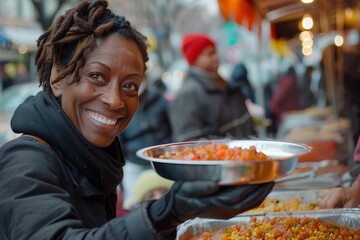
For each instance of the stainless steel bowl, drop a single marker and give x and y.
(284, 157)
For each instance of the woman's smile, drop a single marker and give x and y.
(102, 118)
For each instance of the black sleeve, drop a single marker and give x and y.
(34, 206)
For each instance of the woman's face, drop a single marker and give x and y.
(105, 99)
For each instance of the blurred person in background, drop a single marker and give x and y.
(206, 106)
(150, 126)
(285, 97)
(349, 196)
(6, 79)
(268, 92)
(149, 186)
(59, 179)
(351, 71)
(307, 96)
(239, 78)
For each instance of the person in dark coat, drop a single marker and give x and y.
(239, 78)
(59, 179)
(206, 106)
(150, 126)
(307, 96)
(286, 95)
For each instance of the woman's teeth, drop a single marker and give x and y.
(102, 119)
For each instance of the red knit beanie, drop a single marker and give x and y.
(193, 45)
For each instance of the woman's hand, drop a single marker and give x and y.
(208, 200)
(342, 197)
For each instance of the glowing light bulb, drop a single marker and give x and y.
(306, 51)
(307, 22)
(338, 40)
(305, 35)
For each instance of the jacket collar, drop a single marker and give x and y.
(43, 116)
(211, 82)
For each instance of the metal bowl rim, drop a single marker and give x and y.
(141, 153)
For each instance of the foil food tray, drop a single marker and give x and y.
(347, 217)
(305, 196)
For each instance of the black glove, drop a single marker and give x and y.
(187, 200)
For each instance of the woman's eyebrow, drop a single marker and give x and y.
(102, 64)
(136, 74)
(107, 67)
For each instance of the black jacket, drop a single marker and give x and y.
(65, 191)
(150, 125)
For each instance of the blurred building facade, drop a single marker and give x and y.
(21, 24)
(19, 31)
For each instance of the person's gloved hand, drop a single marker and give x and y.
(208, 200)
(187, 200)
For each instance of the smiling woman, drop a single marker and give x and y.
(105, 99)
(58, 180)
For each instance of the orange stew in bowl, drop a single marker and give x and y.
(217, 152)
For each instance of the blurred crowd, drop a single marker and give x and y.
(208, 106)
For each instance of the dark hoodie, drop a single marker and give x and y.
(65, 191)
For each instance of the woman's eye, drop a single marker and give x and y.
(97, 77)
(131, 87)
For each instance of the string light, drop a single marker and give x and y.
(306, 51)
(338, 40)
(307, 22)
(304, 35)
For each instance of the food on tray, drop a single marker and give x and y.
(217, 152)
(282, 228)
(278, 205)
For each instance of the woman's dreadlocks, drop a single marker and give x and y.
(67, 41)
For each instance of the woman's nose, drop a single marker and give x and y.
(113, 98)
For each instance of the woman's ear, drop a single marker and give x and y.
(56, 88)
